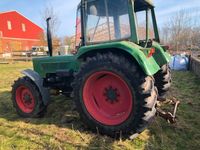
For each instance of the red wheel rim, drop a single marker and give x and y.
(25, 99)
(107, 98)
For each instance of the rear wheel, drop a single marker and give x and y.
(27, 99)
(163, 81)
(114, 96)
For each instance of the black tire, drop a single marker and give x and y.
(163, 81)
(142, 87)
(38, 109)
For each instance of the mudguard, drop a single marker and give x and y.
(35, 77)
(149, 65)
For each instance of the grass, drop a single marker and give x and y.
(62, 129)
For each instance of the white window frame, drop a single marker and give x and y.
(23, 27)
(9, 25)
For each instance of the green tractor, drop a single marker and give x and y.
(115, 75)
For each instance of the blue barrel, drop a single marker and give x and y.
(179, 62)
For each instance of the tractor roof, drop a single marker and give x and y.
(99, 10)
(143, 4)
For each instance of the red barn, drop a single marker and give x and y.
(18, 33)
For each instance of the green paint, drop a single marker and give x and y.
(131, 46)
(161, 57)
(155, 26)
(149, 65)
(52, 64)
(132, 17)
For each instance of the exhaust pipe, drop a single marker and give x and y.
(49, 37)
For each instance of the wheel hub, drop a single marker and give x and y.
(27, 98)
(111, 94)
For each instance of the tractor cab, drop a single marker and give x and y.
(100, 21)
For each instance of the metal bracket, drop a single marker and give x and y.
(168, 116)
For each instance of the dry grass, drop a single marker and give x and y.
(62, 129)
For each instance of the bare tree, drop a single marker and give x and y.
(54, 25)
(181, 31)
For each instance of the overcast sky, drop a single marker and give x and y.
(66, 10)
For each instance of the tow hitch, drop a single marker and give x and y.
(168, 116)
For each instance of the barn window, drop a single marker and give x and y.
(1, 34)
(9, 25)
(23, 27)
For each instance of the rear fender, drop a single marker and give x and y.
(148, 65)
(161, 56)
(35, 77)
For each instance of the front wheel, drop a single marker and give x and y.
(114, 96)
(27, 99)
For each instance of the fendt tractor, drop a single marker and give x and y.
(116, 75)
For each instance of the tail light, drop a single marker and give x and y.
(151, 52)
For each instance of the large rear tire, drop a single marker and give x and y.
(163, 81)
(113, 96)
(27, 99)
